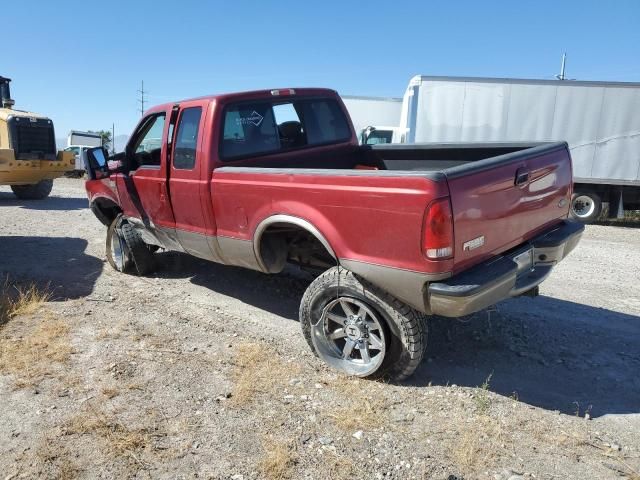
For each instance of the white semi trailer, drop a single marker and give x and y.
(375, 119)
(599, 120)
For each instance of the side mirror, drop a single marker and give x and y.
(96, 163)
(364, 137)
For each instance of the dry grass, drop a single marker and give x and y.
(56, 460)
(118, 438)
(613, 459)
(278, 460)
(362, 406)
(479, 445)
(31, 348)
(340, 467)
(17, 300)
(110, 392)
(482, 397)
(258, 370)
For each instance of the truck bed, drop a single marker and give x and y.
(425, 157)
(492, 212)
(480, 179)
(438, 156)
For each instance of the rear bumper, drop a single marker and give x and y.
(508, 275)
(24, 172)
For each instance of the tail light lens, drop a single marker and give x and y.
(437, 233)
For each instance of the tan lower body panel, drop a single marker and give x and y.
(406, 285)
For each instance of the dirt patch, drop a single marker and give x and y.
(33, 341)
(201, 371)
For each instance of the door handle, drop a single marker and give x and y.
(522, 176)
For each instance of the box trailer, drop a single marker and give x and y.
(375, 119)
(79, 142)
(599, 120)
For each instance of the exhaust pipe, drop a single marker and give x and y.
(5, 93)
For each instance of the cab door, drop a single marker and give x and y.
(145, 186)
(188, 182)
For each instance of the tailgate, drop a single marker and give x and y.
(500, 202)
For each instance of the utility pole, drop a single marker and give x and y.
(113, 138)
(564, 60)
(141, 99)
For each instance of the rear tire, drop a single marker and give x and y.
(36, 191)
(360, 329)
(586, 206)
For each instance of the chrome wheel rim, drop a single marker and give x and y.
(350, 337)
(583, 206)
(117, 250)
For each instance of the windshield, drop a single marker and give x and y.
(377, 137)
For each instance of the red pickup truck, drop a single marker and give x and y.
(395, 232)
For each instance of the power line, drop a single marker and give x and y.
(141, 99)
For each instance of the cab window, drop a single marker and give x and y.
(75, 150)
(186, 143)
(265, 127)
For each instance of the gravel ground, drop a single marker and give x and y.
(201, 371)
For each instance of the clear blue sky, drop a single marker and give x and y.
(81, 62)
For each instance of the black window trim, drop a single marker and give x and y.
(176, 134)
(278, 101)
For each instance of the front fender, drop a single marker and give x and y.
(103, 200)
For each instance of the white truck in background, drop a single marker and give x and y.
(78, 143)
(599, 120)
(375, 119)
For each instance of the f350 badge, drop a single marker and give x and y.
(473, 244)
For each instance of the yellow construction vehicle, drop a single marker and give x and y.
(28, 158)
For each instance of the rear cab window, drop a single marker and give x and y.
(186, 143)
(265, 127)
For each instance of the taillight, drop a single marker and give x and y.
(437, 233)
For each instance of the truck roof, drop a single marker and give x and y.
(84, 134)
(253, 94)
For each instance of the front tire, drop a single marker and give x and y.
(36, 191)
(361, 330)
(126, 251)
(117, 251)
(141, 254)
(586, 206)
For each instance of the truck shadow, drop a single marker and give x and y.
(549, 353)
(277, 294)
(59, 265)
(7, 199)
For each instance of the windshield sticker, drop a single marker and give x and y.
(254, 119)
